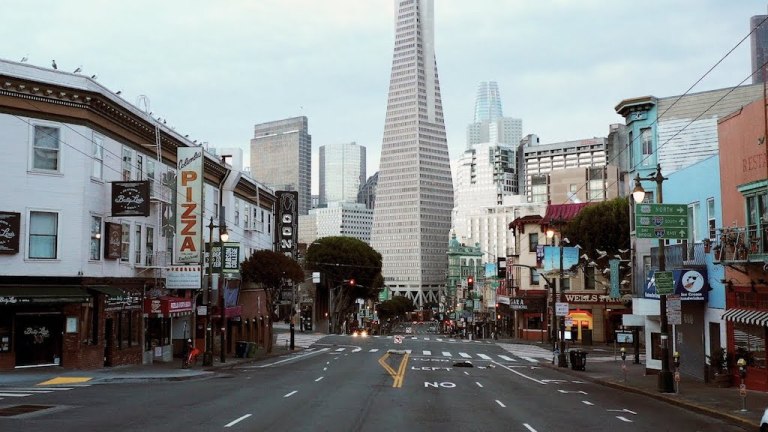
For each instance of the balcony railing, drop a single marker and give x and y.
(680, 255)
(741, 244)
(159, 192)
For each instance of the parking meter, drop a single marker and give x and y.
(676, 359)
(623, 354)
(742, 368)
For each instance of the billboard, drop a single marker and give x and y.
(689, 284)
(189, 205)
(551, 259)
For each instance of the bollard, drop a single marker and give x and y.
(624, 362)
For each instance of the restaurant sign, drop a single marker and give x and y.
(9, 232)
(130, 198)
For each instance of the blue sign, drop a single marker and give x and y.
(490, 270)
(552, 258)
(689, 284)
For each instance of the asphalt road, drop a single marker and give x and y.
(344, 383)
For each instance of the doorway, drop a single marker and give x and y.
(109, 344)
(38, 339)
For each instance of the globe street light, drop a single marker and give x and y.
(665, 380)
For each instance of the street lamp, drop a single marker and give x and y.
(561, 359)
(223, 236)
(665, 382)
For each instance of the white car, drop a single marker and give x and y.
(764, 421)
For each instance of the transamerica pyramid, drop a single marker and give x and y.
(414, 196)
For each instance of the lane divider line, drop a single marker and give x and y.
(291, 393)
(236, 421)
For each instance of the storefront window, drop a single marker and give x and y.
(126, 336)
(749, 343)
(656, 346)
(534, 322)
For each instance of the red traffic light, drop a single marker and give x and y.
(470, 282)
(351, 282)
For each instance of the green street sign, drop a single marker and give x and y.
(662, 221)
(664, 283)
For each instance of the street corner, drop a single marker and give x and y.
(65, 380)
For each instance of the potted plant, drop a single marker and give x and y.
(720, 366)
(707, 245)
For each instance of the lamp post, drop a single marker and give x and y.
(561, 358)
(665, 382)
(223, 236)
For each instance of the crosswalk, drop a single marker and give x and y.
(20, 392)
(447, 355)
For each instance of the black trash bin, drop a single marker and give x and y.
(241, 349)
(578, 360)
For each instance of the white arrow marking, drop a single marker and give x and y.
(624, 419)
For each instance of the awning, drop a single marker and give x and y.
(561, 213)
(106, 289)
(43, 294)
(747, 316)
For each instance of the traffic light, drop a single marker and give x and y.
(351, 282)
(470, 283)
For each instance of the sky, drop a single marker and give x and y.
(214, 69)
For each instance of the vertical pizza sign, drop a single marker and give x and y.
(189, 204)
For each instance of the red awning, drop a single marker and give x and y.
(168, 306)
(561, 213)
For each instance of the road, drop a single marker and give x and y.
(345, 383)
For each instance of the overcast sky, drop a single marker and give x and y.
(213, 69)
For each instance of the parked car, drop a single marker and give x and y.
(764, 421)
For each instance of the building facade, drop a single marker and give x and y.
(281, 157)
(344, 219)
(87, 274)
(414, 197)
(758, 44)
(367, 194)
(342, 172)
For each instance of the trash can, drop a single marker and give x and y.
(250, 351)
(578, 360)
(241, 348)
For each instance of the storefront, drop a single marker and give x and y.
(530, 315)
(593, 317)
(122, 329)
(47, 326)
(746, 321)
(166, 325)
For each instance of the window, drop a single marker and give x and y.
(95, 249)
(647, 142)
(693, 217)
(127, 161)
(596, 184)
(46, 151)
(137, 259)
(150, 246)
(139, 167)
(533, 242)
(539, 188)
(711, 218)
(534, 277)
(589, 277)
(125, 243)
(151, 170)
(749, 341)
(630, 139)
(43, 235)
(97, 155)
(215, 202)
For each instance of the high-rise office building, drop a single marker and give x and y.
(490, 125)
(281, 157)
(758, 42)
(342, 171)
(414, 197)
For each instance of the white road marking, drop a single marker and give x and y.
(16, 394)
(27, 390)
(39, 388)
(426, 338)
(527, 426)
(623, 410)
(429, 353)
(340, 349)
(484, 357)
(572, 391)
(318, 379)
(447, 354)
(358, 349)
(624, 419)
(518, 373)
(439, 340)
(478, 384)
(291, 394)
(466, 373)
(532, 360)
(503, 357)
(292, 358)
(587, 403)
(373, 350)
(465, 355)
(500, 404)
(236, 421)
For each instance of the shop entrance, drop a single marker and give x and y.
(38, 340)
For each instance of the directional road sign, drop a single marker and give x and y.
(662, 221)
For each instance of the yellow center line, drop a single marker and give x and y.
(383, 363)
(401, 372)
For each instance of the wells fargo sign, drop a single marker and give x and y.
(189, 208)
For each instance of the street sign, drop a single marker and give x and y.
(561, 309)
(664, 283)
(398, 339)
(674, 310)
(661, 221)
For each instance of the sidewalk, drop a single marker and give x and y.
(695, 395)
(169, 371)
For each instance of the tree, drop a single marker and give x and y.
(339, 261)
(271, 270)
(395, 308)
(602, 231)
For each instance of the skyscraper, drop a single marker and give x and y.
(281, 157)
(758, 42)
(490, 125)
(487, 102)
(342, 171)
(414, 197)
